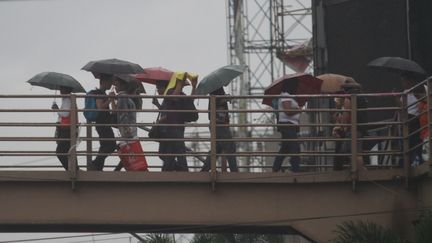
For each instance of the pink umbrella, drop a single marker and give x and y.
(154, 74)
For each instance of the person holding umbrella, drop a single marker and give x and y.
(222, 132)
(66, 84)
(174, 87)
(409, 80)
(410, 73)
(104, 71)
(103, 118)
(289, 116)
(126, 85)
(63, 130)
(125, 107)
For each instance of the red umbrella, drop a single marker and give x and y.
(300, 84)
(154, 74)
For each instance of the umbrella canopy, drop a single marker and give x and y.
(218, 78)
(154, 74)
(333, 83)
(112, 66)
(300, 84)
(398, 64)
(54, 81)
(131, 78)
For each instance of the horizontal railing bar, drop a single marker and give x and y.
(261, 96)
(316, 110)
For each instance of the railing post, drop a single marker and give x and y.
(72, 158)
(429, 114)
(405, 136)
(354, 142)
(89, 144)
(213, 172)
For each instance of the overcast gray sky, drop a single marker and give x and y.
(63, 35)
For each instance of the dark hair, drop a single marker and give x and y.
(133, 88)
(105, 77)
(65, 90)
(219, 91)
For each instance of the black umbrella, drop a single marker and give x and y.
(397, 63)
(53, 80)
(113, 66)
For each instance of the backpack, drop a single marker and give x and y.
(188, 104)
(90, 103)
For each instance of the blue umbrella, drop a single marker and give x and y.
(53, 80)
(219, 78)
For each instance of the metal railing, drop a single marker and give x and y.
(395, 146)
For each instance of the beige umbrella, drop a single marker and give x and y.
(332, 83)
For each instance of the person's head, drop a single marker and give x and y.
(125, 82)
(105, 81)
(161, 86)
(409, 79)
(132, 87)
(351, 88)
(120, 85)
(65, 90)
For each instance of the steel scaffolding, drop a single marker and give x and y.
(258, 32)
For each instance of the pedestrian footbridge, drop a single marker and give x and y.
(41, 197)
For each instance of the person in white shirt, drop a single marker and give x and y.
(289, 117)
(63, 129)
(409, 80)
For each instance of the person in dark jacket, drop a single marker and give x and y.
(179, 162)
(345, 131)
(222, 132)
(104, 118)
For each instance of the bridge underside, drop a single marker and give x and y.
(187, 202)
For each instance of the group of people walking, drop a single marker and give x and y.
(119, 107)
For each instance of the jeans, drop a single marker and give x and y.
(228, 147)
(63, 146)
(178, 162)
(288, 147)
(106, 147)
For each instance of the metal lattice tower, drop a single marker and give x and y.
(258, 32)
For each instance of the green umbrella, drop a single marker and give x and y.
(53, 80)
(219, 78)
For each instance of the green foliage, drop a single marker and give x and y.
(258, 238)
(423, 229)
(364, 232)
(208, 238)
